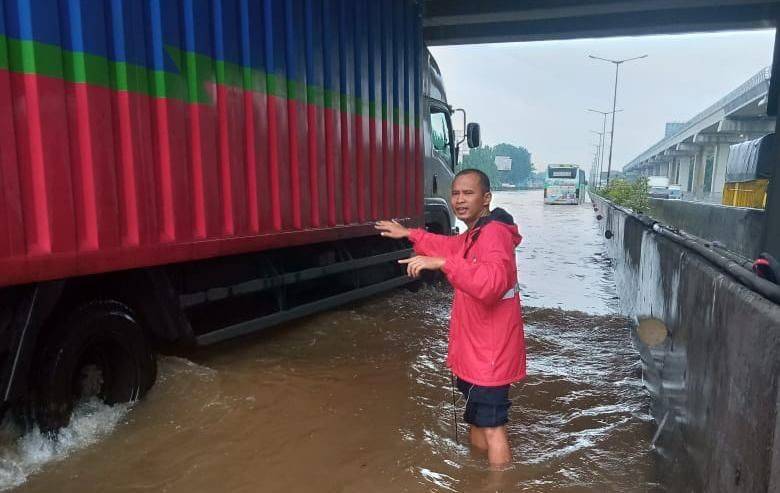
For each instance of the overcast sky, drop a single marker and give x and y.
(536, 94)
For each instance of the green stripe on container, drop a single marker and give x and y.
(190, 84)
(119, 76)
(315, 95)
(3, 53)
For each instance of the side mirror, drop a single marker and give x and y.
(473, 135)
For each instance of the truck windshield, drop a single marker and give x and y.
(440, 135)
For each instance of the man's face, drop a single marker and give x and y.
(467, 198)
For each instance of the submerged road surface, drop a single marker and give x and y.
(358, 399)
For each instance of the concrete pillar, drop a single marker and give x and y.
(719, 174)
(690, 173)
(699, 165)
(676, 177)
(684, 167)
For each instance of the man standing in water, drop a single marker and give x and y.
(486, 344)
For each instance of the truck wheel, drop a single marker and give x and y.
(99, 351)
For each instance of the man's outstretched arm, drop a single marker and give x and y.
(425, 243)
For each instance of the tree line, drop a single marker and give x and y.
(484, 159)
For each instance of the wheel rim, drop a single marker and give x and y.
(105, 370)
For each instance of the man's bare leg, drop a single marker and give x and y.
(478, 439)
(497, 439)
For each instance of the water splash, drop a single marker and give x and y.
(27, 453)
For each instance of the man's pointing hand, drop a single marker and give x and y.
(415, 265)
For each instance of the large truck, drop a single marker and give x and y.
(181, 172)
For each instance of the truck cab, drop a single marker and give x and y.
(441, 148)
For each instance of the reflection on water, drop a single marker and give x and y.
(358, 399)
(562, 261)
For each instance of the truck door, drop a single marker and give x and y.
(440, 156)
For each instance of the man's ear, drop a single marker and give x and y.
(487, 198)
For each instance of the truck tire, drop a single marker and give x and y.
(99, 351)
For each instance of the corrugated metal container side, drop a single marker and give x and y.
(137, 133)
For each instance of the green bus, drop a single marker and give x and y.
(564, 184)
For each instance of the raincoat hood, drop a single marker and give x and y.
(497, 214)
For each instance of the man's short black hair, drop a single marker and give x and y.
(484, 181)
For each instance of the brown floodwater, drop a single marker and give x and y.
(358, 399)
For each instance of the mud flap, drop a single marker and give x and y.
(27, 308)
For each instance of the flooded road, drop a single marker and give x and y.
(358, 399)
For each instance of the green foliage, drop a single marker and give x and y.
(484, 159)
(632, 195)
(521, 163)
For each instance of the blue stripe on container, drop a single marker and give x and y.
(231, 32)
(371, 21)
(396, 55)
(383, 47)
(327, 43)
(308, 33)
(268, 30)
(289, 7)
(189, 26)
(217, 24)
(257, 41)
(74, 35)
(155, 28)
(140, 32)
(118, 31)
(246, 47)
(358, 43)
(342, 20)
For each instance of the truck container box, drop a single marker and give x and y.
(141, 133)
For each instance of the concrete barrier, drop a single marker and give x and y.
(738, 229)
(715, 376)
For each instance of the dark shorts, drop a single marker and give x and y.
(486, 407)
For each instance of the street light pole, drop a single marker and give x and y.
(617, 64)
(603, 136)
(599, 146)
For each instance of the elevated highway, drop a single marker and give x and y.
(695, 153)
(449, 22)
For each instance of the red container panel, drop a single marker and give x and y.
(141, 133)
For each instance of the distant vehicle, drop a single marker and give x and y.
(675, 192)
(565, 184)
(658, 187)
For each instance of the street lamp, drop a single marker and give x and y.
(617, 64)
(603, 136)
(598, 146)
(596, 155)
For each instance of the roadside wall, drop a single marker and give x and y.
(738, 229)
(715, 376)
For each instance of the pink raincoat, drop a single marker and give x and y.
(486, 345)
